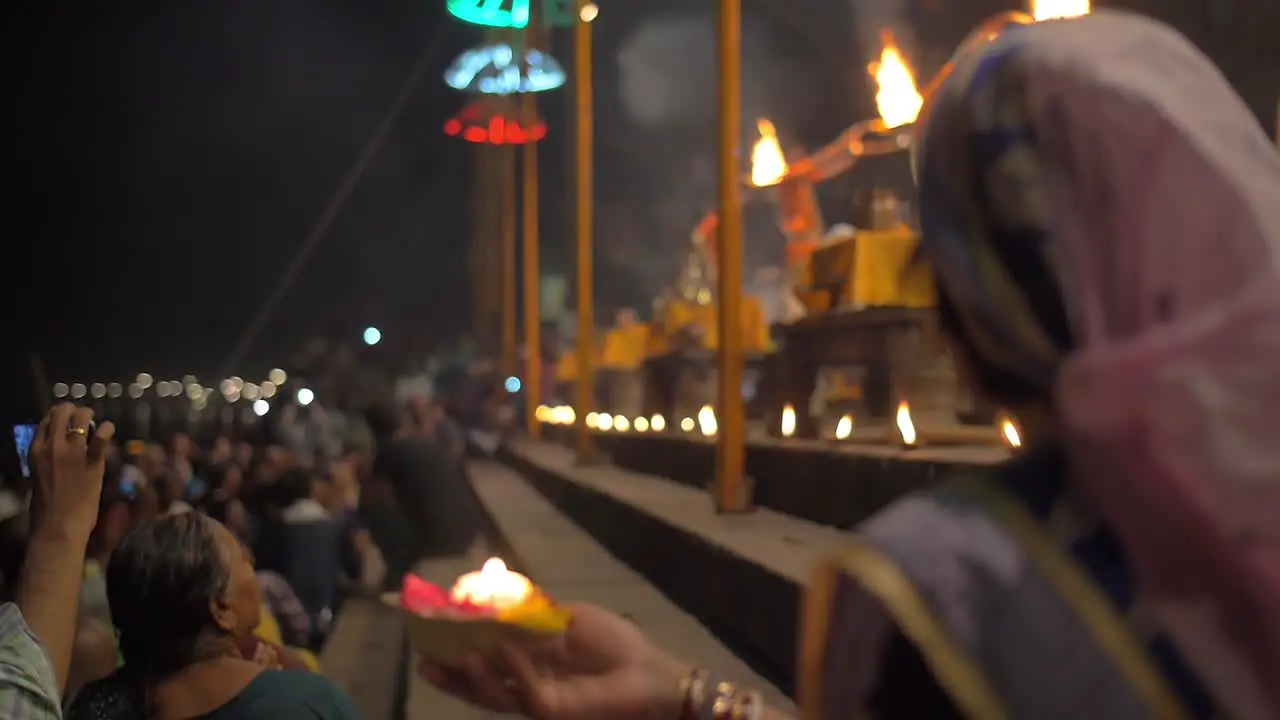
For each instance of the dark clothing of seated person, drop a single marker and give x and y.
(306, 547)
(183, 596)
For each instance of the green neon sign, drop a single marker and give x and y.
(490, 13)
(512, 13)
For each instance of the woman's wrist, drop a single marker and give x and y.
(670, 688)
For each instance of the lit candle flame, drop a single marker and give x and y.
(593, 420)
(768, 164)
(492, 586)
(1010, 432)
(543, 414)
(906, 428)
(621, 424)
(707, 421)
(641, 424)
(687, 424)
(565, 415)
(844, 428)
(788, 421)
(897, 99)
(658, 423)
(604, 421)
(1059, 9)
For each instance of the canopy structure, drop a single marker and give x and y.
(513, 14)
(500, 69)
(494, 123)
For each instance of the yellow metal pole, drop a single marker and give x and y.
(731, 488)
(582, 64)
(510, 363)
(532, 280)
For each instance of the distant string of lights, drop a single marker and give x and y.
(232, 390)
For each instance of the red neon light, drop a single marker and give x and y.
(487, 122)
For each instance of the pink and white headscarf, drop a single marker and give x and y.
(1110, 151)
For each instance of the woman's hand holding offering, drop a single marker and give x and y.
(601, 668)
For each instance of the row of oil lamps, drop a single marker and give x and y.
(706, 424)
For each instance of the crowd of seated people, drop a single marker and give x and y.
(212, 565)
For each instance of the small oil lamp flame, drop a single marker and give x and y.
(564, 415)
(621, 424)
(604, 421)
(707, 421)
(544, 414)
(768, 164)
(493, 585)
(641, 424)
(788, 421)
(906, 428)
(1059, 9)
(687, 424)
(593, 420)
(658, 423)
(1009, 431)
(897, 99)
(844, 428)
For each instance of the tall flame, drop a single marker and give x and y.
(897, 99)
(1059, 9)
(906, 428)
(768, 164)
(788, 421)
(1009, 430)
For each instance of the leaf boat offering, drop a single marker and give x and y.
(483, 610)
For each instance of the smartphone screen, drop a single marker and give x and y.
(24, 436)
(129, 481)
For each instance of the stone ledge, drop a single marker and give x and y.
(364, 656)
(571, 565)
(829, 483)
(741, 575)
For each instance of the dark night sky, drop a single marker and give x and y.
(173, 156)
(177, 154)
(169, 158)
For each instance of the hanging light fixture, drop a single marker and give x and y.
(495, 121)
(500, 69)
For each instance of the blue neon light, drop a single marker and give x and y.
(494, 70)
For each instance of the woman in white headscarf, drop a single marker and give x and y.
(1102, 215)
